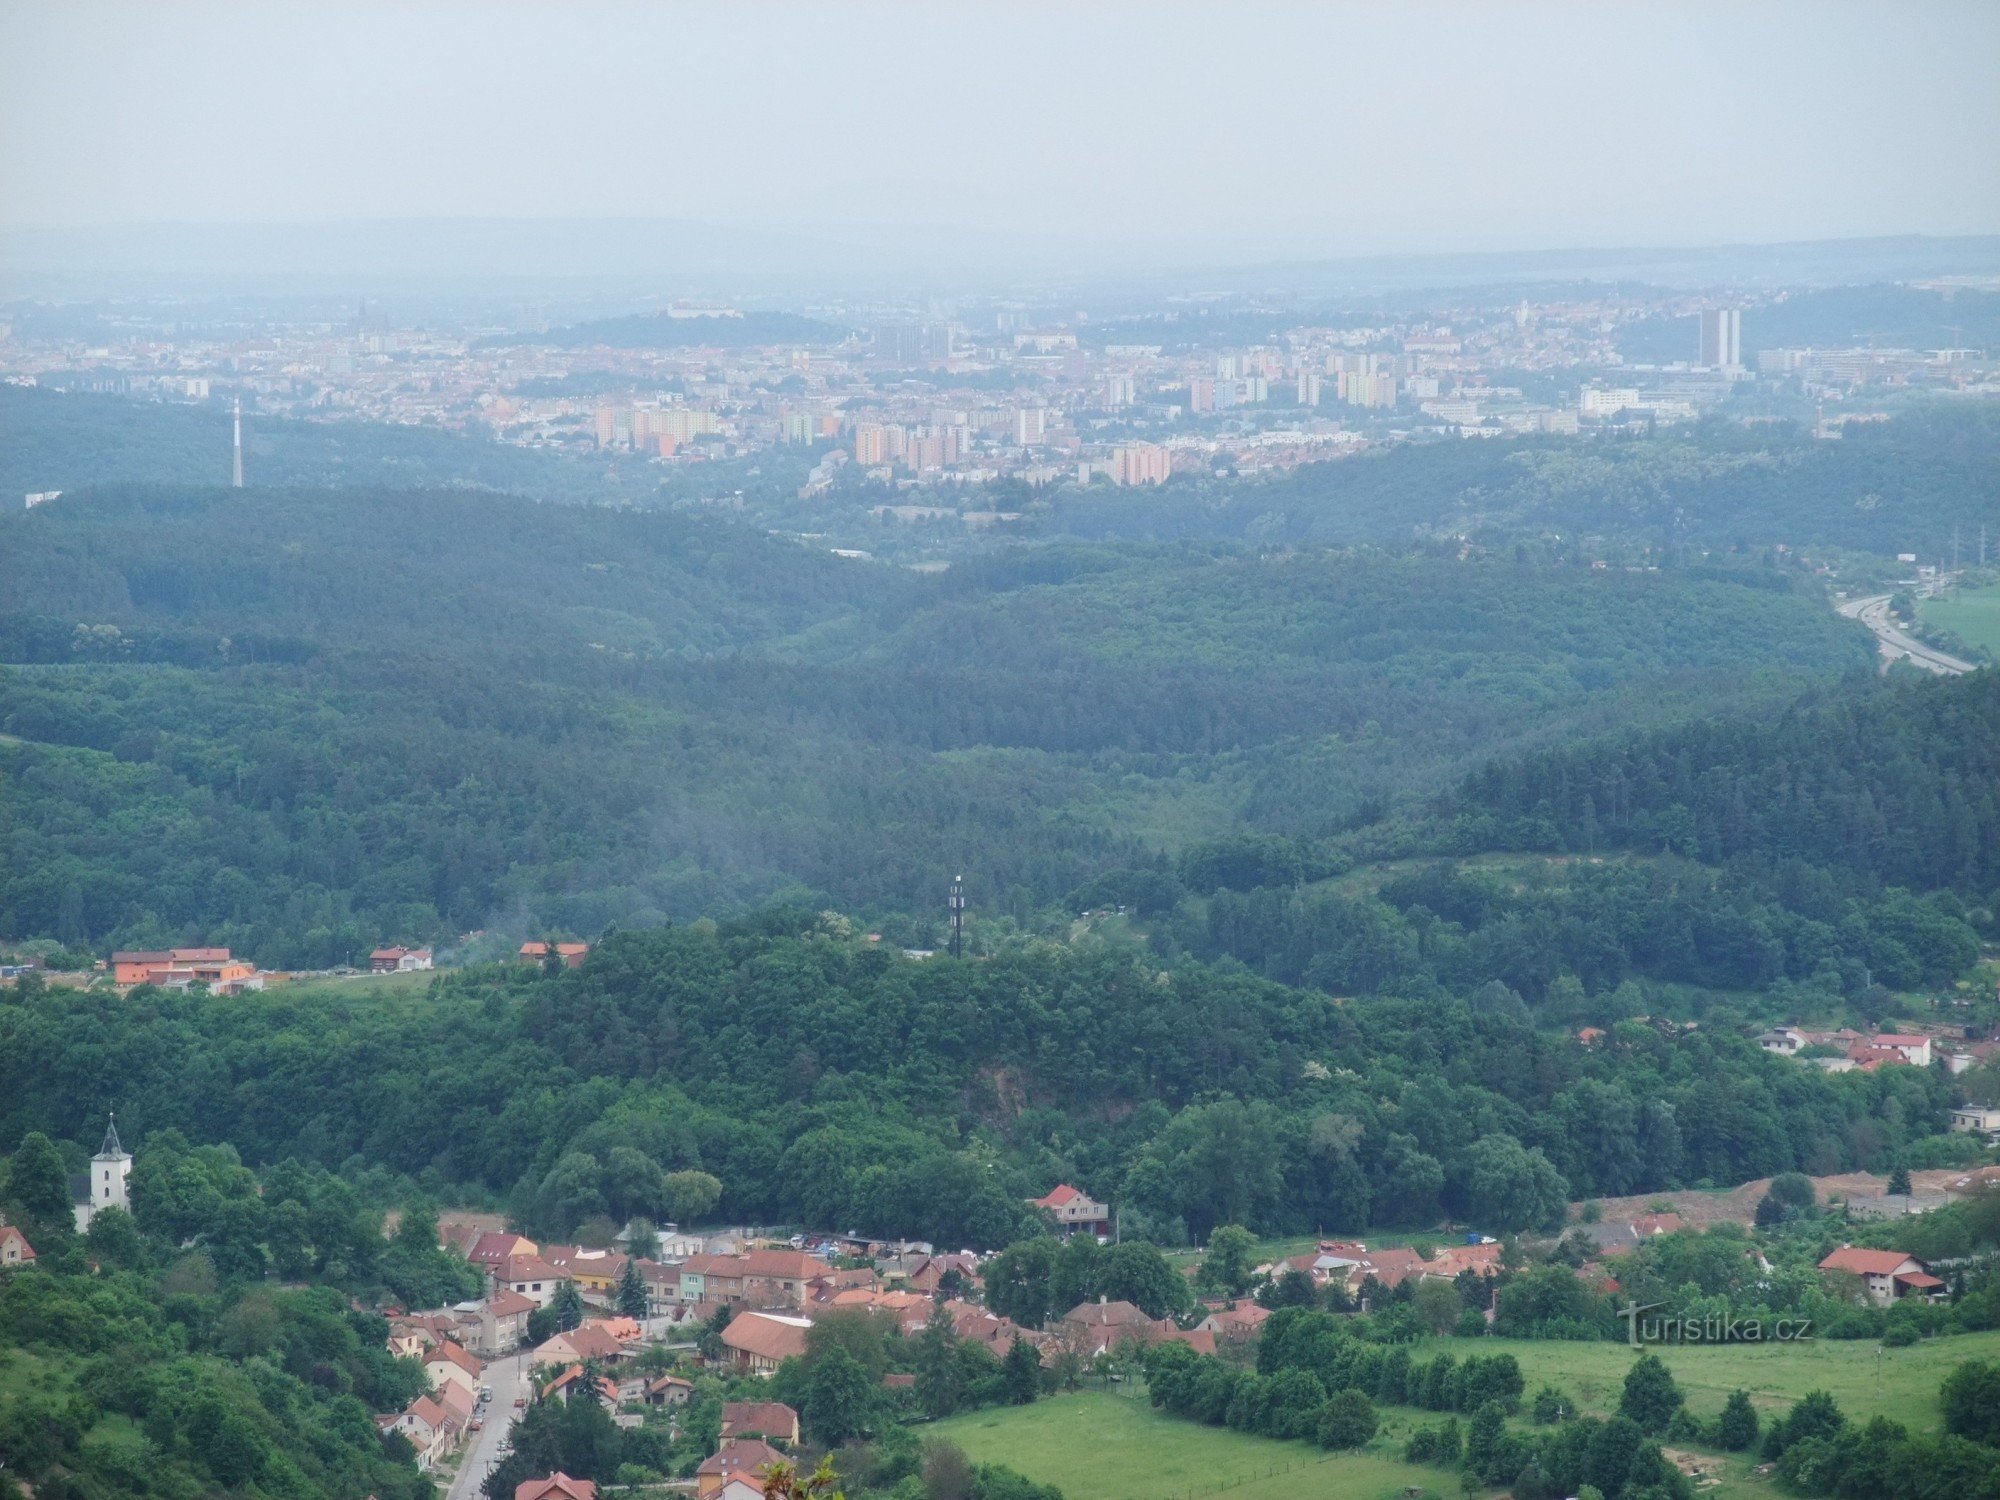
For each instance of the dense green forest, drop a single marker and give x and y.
(825, 1079)
(62, 441)
(1888, 487)
(305, 722)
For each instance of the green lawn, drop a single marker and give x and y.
(1972, 614)
(1775, 1375)
(357, 987)
(1095, 1446)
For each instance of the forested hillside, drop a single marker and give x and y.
(1888, 487)
(62, 441)
(1901, 782)
(306, 722)
(826, 1080)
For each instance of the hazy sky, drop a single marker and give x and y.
(1222, 128)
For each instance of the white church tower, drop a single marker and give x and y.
(110, 1170)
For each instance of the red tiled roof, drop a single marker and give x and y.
(1106, 1315)
(557, 1486)
(453, 1354)
(741, 1458)
(759, 1419)
(765, 1337)
(794, 1264)
(1866, 1262)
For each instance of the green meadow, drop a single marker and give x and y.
(1110, 1445)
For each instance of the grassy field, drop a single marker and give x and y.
(1866, 1379)
(1112, 1446)
(1097, 1446)
(1972, 614)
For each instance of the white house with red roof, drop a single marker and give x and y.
(14, 1248)
(1885, 1275)
(448, 1362)
(1074, 1210)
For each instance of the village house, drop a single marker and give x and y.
(14, 1248)
(488, 1249)
(756, 1343)
(398, 960)
(909, 1309)
(976, 1325)
(595, 1272)
(498, 1324)
(669, 1390)
(556, 1486)
(1851, 1049)
(1885, 1275)
(929, 1278)
(771, 1420)
(448, 1363)
(1074, 1211)
(571, 1383)
(179, 968)
(824, 1287)
(585, 1342)
(761, 1279)
(571, 954)
(738, 1459)
(424, 1423)
(1977, 1119)
(1093, 1328)
(1234, 1322)
(529, 1276)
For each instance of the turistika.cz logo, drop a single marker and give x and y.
(1641, 1330)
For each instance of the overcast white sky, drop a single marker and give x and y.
(1215, 129)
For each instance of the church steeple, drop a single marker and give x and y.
(110, 1174)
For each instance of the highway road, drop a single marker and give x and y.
(1894, 643)
(509, 1378)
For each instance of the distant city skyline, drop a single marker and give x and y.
(1162, 134)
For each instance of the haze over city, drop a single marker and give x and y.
(1035, 134)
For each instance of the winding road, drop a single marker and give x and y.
(1873, 612)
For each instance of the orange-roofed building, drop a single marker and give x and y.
(14, 1248)
(1885, 1275)
(557, 1486)
(570, 953)
(757, 1343)
(1074, 1210)
(745, 1459)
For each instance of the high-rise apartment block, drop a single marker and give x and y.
(1722, 338)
